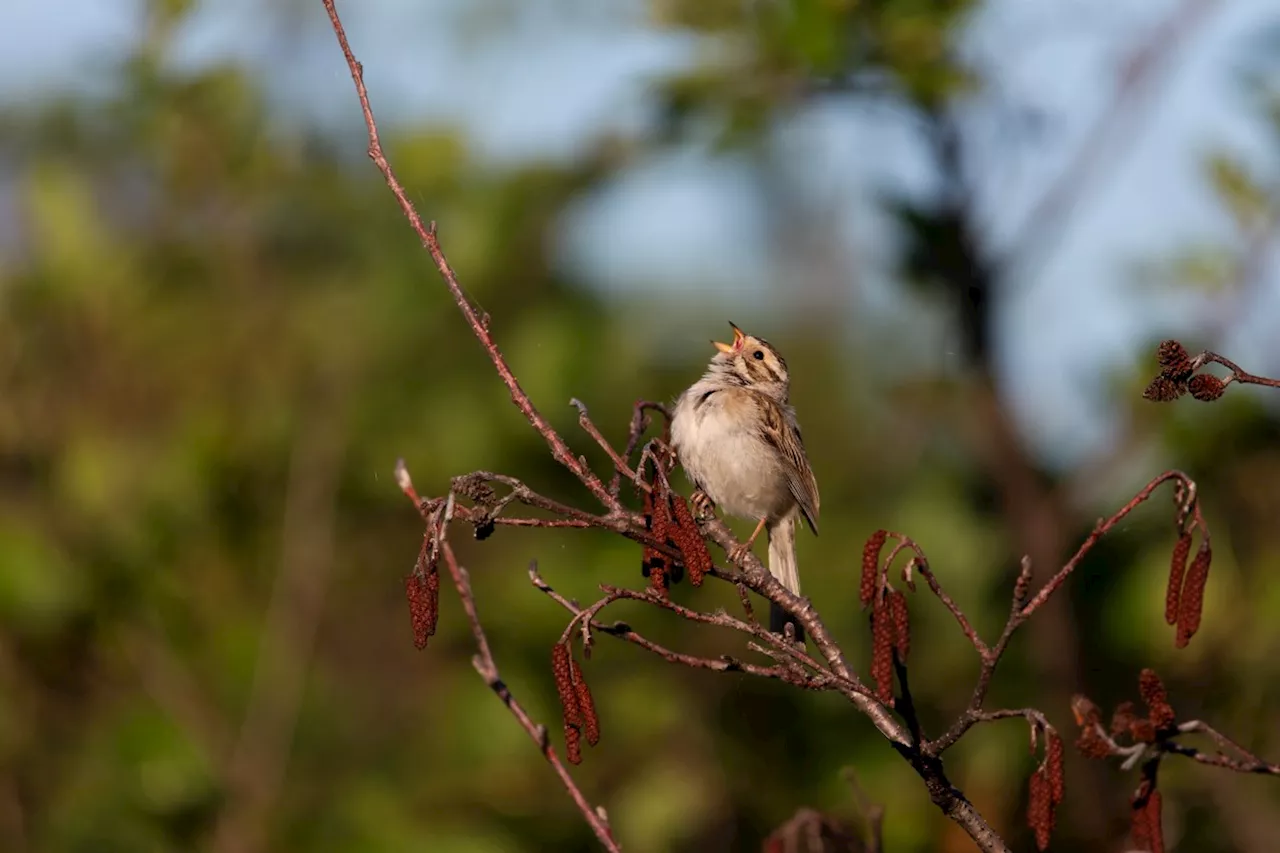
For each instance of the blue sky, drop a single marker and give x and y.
(525, 83)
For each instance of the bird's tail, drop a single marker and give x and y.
(782, 565)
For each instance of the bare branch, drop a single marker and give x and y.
(1178, 375)
(1150, 739)
(488, 669)
(792, 672)
(1244, 762)
(478, 321)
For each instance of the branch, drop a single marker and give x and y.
(792, 671)
(488, 668)
(1187, 504)
(1151, 738)
(1244, 762)
(791, 662)
(639, 423)
(478, 321)
(875, 589)
(1178, 375)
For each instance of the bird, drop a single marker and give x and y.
(735, 435)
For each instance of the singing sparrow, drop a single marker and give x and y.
(737, 438)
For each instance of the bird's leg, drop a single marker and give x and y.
(738, 552)
(702, 504)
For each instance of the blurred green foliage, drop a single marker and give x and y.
(217, 334)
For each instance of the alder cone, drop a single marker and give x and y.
(423, 594)
(586, 706)
(1205, 387)
(871, 565)
(1177, 570)
(562, 669)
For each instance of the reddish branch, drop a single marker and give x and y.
(673, 542)
(1179, 375)
(477, 320)
(792, 663)
(876, 588)
(1158, 734)
(1187, 517)
(1147, 740)
(437, 520)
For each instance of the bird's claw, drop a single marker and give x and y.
(703, 506)
(739, 552)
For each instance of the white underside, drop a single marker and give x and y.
(722, 453)
(745, 477)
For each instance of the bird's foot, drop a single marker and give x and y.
(703, 506)
(739, 552)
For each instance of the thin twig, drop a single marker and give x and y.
(478, 321)
(1246, 762)
(488, 669)
(623, 631)
(1238, 374)
(437, 524)
(1102, 527)
(635, 431)
(1022, 609)
(619, 462)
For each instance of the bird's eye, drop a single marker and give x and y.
(758, 355)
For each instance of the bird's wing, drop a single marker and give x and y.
(779, 429)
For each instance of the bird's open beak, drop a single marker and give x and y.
(738, 337)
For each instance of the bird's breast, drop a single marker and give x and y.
(720, 447)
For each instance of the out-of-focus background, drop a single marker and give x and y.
(965, 223)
